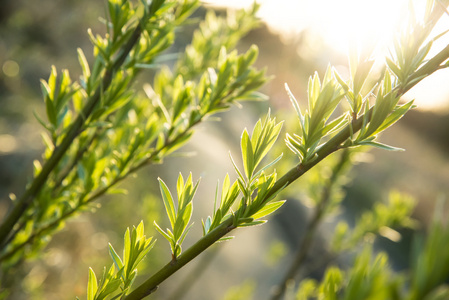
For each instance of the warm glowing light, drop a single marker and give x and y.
(339, 23)
(344, 23)
(366, 23)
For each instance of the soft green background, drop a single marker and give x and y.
(37, 34)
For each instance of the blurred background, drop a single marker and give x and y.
(296, 39)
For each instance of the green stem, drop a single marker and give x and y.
(183, 288)
(332, 145)
(150, 285)
(24, 202)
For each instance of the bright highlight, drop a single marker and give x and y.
(346, 23)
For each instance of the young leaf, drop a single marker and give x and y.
(268, 165)
(253, 223)
(236, 168)
(126, 248)
(91, 285)
(397, 114)
(268, 209)
(295, 105)
(247, 155)
(117, 261)
(164, 234)
(150, 244)
(381, 146)
(168, 202)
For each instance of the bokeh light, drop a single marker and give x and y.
(10, 68)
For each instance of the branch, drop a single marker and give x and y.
(24, 202)
(94, 196)
(150, 285)
(332, 145)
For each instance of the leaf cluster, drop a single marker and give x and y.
(121, 275)
(256, 184)
(252, 190)
(323, 99)
(373, 278)
(249, 198)
(179, 216)
(100, 130)
(206, 43)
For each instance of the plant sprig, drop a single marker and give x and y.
(179, 215)
(384, 112)
(127, 131)
(121, 275)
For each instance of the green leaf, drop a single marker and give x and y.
(144, 252)
(110, 288)
(184, 234)
(418, 59)
(236, 168)
(384, 106)
(130, 279)
(295, 146)
(117, 261)
(340, 80)
(361, 74)
(164, 234)
(126, 248)
(226, 238)
(335, 125)
(247, 154)
(397, 114)
(168, 202)
(81, 172)
(381, 146)
(113, 191)
(268, 209)
(52, 82)
(254, 223)
(140, 231)
(84, 65)
(224, 190)
(182, 221)
(180, 187)
(268, 165)
(206, 225)
(42, 122)
(180, 141)
(50, 108)
(254, 96)
(91, 285)
(268, 136)
(188, 193)
(228, 199)
(395, 69)
(295, 105)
